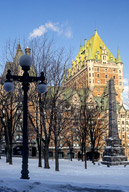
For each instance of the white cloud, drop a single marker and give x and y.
(68, 33)
(126, 93)
(126, 87)
(53, 27)
(56, 27)
(126, 81)
(38, 32)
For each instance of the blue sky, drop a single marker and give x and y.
(69, 22)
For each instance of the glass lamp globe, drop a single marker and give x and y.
(42, 88)
(8, 86)
(25, 61)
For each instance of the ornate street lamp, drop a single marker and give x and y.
(25, 63)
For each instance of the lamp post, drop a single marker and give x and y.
(25, 63)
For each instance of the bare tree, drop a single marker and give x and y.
(97, 129)
(10, 102)
(91, 124)
(10, 105)
(52, 62)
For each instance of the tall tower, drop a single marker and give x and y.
(94, 65)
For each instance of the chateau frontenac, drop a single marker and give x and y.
(94, 66)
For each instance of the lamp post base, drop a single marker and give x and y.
(25, 174)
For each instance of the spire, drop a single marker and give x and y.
(89, 53)
(18, 46)
(118, 59)
(85, 42)
(80, 43)
(19, 51)
(95, 31)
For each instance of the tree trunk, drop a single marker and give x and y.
(46, 157)
(40, 156)
(10, 154)
(93, 160)
(56, 156)
(7, 154)
(71, 150)
(82, 153)
(0, 149)
(85, 157)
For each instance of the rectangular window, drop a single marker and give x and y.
(97, 75)
(98, 69)
(104, 57)
(106, 76)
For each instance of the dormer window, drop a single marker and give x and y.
(104, 57)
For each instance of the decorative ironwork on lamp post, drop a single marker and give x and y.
(25, 63)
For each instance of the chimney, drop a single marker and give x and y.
(27, 51)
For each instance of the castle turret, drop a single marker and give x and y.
(120, 72)
(118, 59)
(27, 51)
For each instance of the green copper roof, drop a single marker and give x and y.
(96, 45)
(118, 59)
(89, 53)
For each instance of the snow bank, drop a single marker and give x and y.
(71, 177)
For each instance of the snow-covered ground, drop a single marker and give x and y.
(72, 177)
